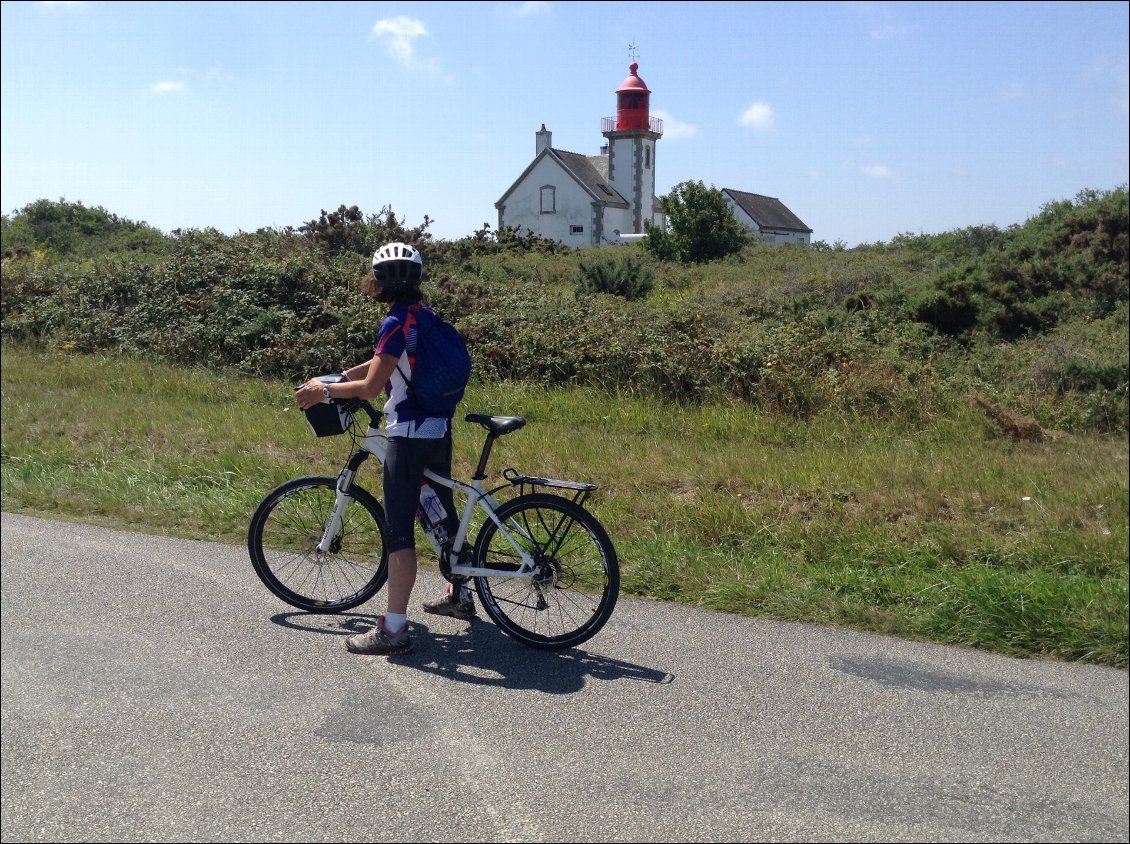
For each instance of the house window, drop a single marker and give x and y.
(576, 229)
(548, 199)
(647, 157)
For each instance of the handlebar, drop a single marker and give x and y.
(370, 411)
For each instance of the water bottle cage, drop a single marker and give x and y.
(436, 533)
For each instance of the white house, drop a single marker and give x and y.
(767, 217)
(584, 200)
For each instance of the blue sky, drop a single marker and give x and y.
(866, 119)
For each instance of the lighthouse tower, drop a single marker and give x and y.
(631, 135)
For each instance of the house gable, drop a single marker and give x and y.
(550, 201)
(578, 168)
(561, 196)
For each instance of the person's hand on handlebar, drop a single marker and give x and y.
(311, 393)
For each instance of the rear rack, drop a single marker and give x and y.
(580, 491)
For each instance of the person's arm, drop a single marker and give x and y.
(355, 372)
(365, 381)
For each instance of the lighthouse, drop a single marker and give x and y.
(586, 200)
(631, 135)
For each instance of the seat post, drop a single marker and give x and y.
(481, 470)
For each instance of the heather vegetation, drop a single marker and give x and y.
(926, 437)
(1031, 320)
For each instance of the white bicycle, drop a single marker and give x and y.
(544, 568)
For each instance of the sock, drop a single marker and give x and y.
(395, 621)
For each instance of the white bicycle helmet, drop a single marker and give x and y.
(398, 265)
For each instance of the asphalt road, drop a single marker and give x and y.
(153, 690)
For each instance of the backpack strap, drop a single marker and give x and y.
(410, 323)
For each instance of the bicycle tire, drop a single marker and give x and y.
(286, 529)
(577, 589)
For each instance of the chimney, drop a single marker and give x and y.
(544, 139)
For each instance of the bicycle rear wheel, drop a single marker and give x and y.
(283, 537)
(573, 592)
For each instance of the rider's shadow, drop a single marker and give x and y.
(483, 655)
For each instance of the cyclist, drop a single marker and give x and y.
(416, 441)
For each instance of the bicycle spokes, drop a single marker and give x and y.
(571, 591)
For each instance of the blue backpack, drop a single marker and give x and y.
(440, 363)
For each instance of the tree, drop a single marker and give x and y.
(348, 230)
(700, 226)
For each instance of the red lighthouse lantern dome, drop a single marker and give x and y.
(632, 103)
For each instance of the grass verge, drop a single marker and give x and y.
(943, 531)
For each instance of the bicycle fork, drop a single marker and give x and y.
(337, 515)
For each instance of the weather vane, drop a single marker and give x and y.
(633, 52)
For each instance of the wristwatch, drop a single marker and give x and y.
(325, 391)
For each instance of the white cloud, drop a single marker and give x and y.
(883, 21)
(522, 10)
(673, 129)
(877, 171)
(399, 34)
(888, 31)
(167, 87)
(216, 73)
(1010, 91)
(759, 117)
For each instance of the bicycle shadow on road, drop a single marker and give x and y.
(483, 655)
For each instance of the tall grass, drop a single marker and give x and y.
(942, 531)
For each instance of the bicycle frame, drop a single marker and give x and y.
(375, 443)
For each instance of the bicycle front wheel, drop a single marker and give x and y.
(577, 581)
(283, 538)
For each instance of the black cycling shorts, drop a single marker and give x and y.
(404, 466)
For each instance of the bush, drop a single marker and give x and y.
(349, 231)
(1069, 260)
(71, 230)
(950, 308)
(1034, 317)
(622, 276)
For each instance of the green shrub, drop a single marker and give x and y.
(950, 308)
(71, 230)
(1033, 317)
(622, 276)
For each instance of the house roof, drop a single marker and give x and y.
(582, 167)
(767, 211)
(600, 164)
(583, 172)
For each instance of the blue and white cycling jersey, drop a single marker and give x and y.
(403, 417)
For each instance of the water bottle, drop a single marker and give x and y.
(430, 504)
(430, 514)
